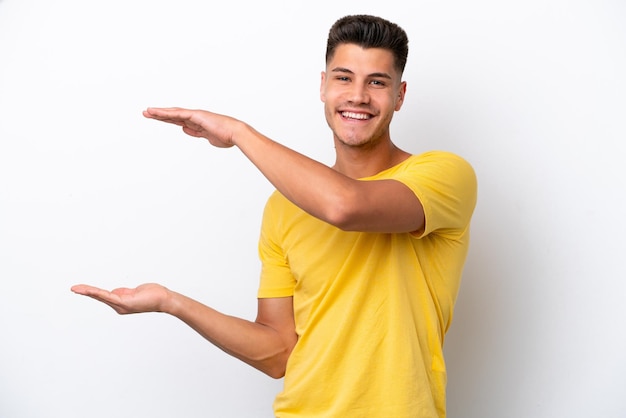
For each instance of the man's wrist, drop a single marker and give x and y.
(241, 132)
(170, 302)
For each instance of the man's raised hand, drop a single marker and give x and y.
(219, 130)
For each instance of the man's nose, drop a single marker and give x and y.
(358, 94)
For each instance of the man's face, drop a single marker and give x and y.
(361, 90)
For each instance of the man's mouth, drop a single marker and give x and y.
(354, 115)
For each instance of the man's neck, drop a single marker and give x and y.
(359, 162)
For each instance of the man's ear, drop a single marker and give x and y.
(323, 82)
(401, 94)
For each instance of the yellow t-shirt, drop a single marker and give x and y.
(371, 309)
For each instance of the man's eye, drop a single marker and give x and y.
(377, 83)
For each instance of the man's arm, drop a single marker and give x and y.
(264, 344)
(376, 206)
(350, 204)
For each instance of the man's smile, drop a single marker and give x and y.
(355, 115)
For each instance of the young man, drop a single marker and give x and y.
(361, 262)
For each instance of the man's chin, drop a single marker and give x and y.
(356, 142)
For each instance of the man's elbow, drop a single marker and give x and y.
(276, 372)
(276, 366)
(343, 213)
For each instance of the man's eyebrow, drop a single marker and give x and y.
(348, 71)
(342, 70)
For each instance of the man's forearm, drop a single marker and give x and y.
(258, 345)
(314, 187)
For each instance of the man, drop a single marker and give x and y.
(361, 261)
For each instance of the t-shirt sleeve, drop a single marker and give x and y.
(446, 186)
(276, 277)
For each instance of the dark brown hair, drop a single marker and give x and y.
(369, 32)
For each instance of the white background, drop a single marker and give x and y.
(532, 93)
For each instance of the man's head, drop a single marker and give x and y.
(362, 85)
(369, 32)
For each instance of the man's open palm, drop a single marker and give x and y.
(145, 298)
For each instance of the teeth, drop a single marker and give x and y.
(352, 115)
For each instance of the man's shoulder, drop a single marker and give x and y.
(441, 162)
(437, 155)
(435, 161)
